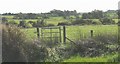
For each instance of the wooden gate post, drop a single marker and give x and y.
(64, 34)
(91, 31)
(38, 34)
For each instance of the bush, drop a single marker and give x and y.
(50, 25)
(13, 22)
(35, 52)
(106, 21)
(88, 48)
(95, 22)
(17, 48)
(22, 23)
(93, 47)
(82, 22)
(79, 21)
(12, 40)
(28, 25)
(63, 23)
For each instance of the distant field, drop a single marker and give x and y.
(8, 16)
(55, 20)
(51, 20)
(76, 32)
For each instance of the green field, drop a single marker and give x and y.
(50, 20)
(106, 58)
(75, 32)
(79, 32)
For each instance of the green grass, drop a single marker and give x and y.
(8, 16)
(76, 32)
(79, 32)
(30, 33)
(55, 20)
(51, 20)
(106, 58)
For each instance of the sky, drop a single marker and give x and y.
(38, 6)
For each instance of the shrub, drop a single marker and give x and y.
(13, 22)
(106, 21)
(17, 48)
(12, 40)
(82, 22)
(28, 25)
(95, 22)
(88, 47)
(50, 25)
(22, 23)
(92, 47)
(63, 23)
(35, 52)
(79, 21)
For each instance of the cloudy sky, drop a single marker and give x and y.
(38, 6)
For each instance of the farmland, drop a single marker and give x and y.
(75, 32)
(83, 40)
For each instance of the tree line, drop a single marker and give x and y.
(73, 17)
(95, 14)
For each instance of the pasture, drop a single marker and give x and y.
(76, 33)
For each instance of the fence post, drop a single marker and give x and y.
(64, 34)
(38, 34)
(60, 33)
(91, 31)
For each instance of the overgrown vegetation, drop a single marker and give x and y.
(20, 43)
(17, 48)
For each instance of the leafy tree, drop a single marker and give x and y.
(107, 21)
(111, 14)
(25, 16)
(96, 14)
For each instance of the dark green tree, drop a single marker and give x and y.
(106, 21)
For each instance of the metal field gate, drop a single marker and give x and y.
(51, 34)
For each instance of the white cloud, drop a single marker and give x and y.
(38, 6)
